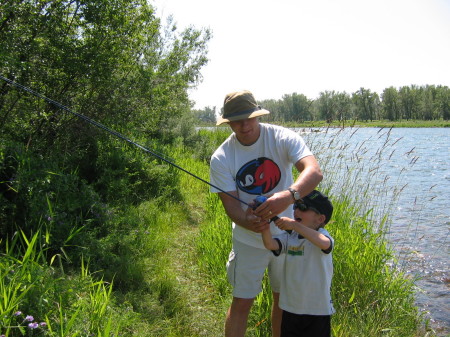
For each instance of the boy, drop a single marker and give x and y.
(305, 287)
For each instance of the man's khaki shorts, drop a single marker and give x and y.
(246, 266)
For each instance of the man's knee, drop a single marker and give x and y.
(242, 304)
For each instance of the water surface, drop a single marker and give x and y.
(409, 169)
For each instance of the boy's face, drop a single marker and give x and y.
(309, 218)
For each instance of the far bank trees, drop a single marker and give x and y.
(413, 102)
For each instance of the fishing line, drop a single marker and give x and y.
(115, 133)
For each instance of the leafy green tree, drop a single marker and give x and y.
(110, 60)
(206, 115)
(296, 107)
(410, 102)
(333, 105)
(342, 105)
(366, 104)
(443, 102)
(390, 104)
(428, 106)
(326, 106)
(275, 108)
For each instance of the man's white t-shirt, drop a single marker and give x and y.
(263, 168)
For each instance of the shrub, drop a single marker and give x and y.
(37, 193)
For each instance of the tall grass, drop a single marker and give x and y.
(156, 266)
(372, 295)
(139, 295)
(141, 247)
(38, 300)
(355, 170)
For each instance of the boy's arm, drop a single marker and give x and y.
(269, 242)
(315, 237)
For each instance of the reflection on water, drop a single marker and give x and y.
(412, 166)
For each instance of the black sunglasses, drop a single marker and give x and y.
(303, 207)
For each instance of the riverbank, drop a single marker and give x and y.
(157, 264)
(361, 124)
(378, 300)
(374, 124)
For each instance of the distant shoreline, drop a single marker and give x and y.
(377, 123)
(361, 124)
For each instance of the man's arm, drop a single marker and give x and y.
(246, 219)
(310, 176)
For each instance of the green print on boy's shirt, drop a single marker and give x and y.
(296, 250)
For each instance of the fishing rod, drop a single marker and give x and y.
(117, 134)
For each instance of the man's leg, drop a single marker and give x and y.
(237, 315)
(276, 271)
(245, 270)
(277, 314)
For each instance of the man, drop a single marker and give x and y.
(257, 159)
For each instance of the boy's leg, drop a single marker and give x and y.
(305, 325)
(320, 327)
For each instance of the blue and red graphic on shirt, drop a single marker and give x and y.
(258, 176)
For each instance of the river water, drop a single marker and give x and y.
(406, 171)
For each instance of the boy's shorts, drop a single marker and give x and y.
(246, 266)
(305, 325)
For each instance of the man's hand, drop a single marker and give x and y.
(276, 204)
(254, 222)
(247, 218)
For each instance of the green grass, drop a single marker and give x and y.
(371, 295)
(33, 292)
(158, 269)
(371, 299)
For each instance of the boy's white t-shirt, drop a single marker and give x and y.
(262, 168)
(308, 272)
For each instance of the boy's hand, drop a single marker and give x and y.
(285, 223)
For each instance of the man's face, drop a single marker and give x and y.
(246, 130)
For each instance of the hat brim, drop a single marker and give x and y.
(257, 113)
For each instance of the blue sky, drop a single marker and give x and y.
(309, 46)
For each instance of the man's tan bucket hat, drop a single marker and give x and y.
(240, 105)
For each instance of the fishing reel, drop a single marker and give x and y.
(260, 199)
